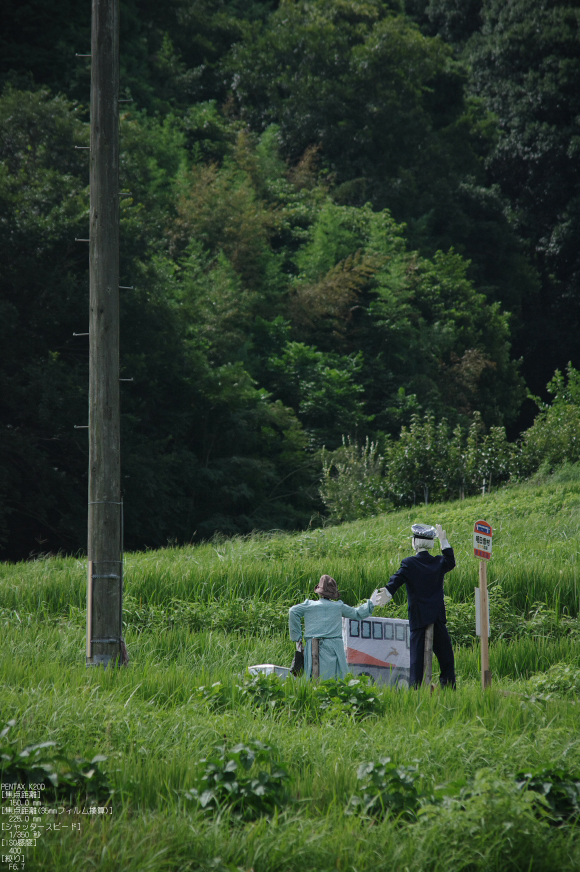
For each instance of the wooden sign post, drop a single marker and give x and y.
(482, 536)
(484, 611)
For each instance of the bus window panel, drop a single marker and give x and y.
(377, 630)
(389, 632)
(399, 632)
(354, 628)
(365, 628)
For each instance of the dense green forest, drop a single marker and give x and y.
(343, 218)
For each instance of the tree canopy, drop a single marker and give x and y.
(343, 217)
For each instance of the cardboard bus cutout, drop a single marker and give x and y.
(379, 648)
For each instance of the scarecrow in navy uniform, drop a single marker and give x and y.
(423, 576)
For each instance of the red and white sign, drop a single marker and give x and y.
(482, 534)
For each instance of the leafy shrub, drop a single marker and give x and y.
(460, 622)
(557, 800)
(544, 621)
(418, 462)
(217, 696)
(386, 788)
(560, 680)
(65, 779)
(426, 462)
(353, 696)
(506, 621)
(553, 439)
(400, 790)
(265, 691)
(352, 484)
(561, 790)
(487, 811)
(432, 464)
(249, 780)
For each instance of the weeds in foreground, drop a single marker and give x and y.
(64, 779)
(264, 691)
(356, 697)
(560, 789)
(404, 793)
(387, 788)
(248, 780)
(561, 680)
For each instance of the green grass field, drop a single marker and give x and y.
(197, 616)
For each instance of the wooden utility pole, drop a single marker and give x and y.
(105, 577)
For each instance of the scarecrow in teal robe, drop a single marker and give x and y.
(323, 621)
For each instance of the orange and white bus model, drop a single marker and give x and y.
(379, 648)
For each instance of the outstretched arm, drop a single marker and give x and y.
(396, 580)
(358, 612)
(295, 615)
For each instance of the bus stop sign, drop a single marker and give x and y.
(482, 534)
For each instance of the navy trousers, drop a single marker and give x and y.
(442, 650)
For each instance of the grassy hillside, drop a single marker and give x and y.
(536, 552)
(196, 617)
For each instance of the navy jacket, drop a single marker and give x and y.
(423, 575)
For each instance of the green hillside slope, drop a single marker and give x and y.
(196, 617)
(536, 547)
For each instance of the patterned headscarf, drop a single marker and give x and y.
(327, 587)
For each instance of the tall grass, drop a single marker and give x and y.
(535, 557)
(154, 725)
(153, 729)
